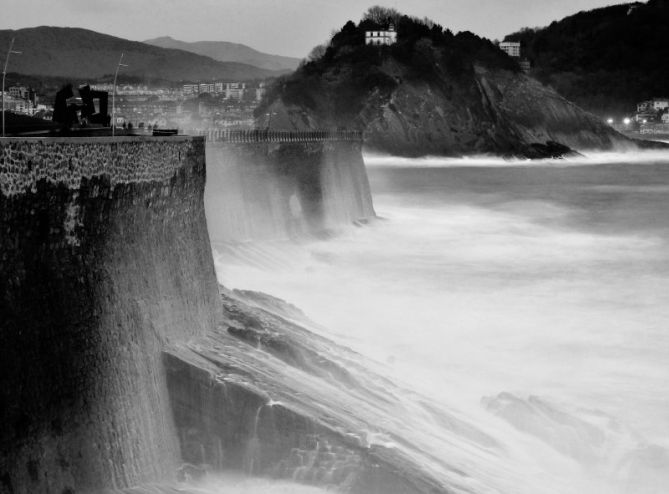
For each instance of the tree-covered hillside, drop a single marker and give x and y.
(605, 60)
(84, 55)
(431, 92)
(338, 77)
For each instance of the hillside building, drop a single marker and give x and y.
(650, 110)
(512, 48)
(379, 38)
(655, 104)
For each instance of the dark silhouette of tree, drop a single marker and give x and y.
(605, 59)
(381, 15)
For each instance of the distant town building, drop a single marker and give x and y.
(190, 89)
(653, 104)
(21, 99)
(512, 48)
(651, 110)
(388, 37)
(207, 88)
(19, 92)
(229, 90)
(665, 118)
(23, 93)
(235, 90)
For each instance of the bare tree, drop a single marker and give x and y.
(382, 15)
(317, 53)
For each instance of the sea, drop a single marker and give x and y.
(530, 298)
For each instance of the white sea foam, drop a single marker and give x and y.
(537, 282)
(483, 160)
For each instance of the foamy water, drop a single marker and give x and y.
(544, 281)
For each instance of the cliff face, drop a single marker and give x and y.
(265, 396)
(501, 112)
(105, 262)
(432, 93)
(269, 191)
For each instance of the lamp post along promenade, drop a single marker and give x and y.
(4, 75)
(113, 123)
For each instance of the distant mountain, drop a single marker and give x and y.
(224, 51)
(83, 54)
(606, 59)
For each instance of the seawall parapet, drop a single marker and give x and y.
(105, 265)
(69, 160)
(105, 261)
(277, 190)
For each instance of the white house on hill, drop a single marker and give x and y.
(512, 48)
(388, 37)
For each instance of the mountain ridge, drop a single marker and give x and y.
(83, 53)
(226, 51)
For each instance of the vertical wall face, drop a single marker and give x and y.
(260, 191)
(105, 260)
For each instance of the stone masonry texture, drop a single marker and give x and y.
(105, 261)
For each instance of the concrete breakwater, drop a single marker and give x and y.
(106, 269)
(269, 191)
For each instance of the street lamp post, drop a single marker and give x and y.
(114, 94)
(4, 74)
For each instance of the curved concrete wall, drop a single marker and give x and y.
(261, 191)
(104, 262)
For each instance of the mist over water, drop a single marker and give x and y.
(530, 298)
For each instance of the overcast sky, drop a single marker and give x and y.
(284, 27)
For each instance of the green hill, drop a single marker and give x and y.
(432, 92)
(605, 60)
(224, 51)
(83, 54)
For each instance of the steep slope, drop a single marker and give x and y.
(606, 60)
(80, 53)
(224, 51)
(432, 93)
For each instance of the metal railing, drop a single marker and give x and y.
(277, 136)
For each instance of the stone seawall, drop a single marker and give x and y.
(270, 191)
(104, 262)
